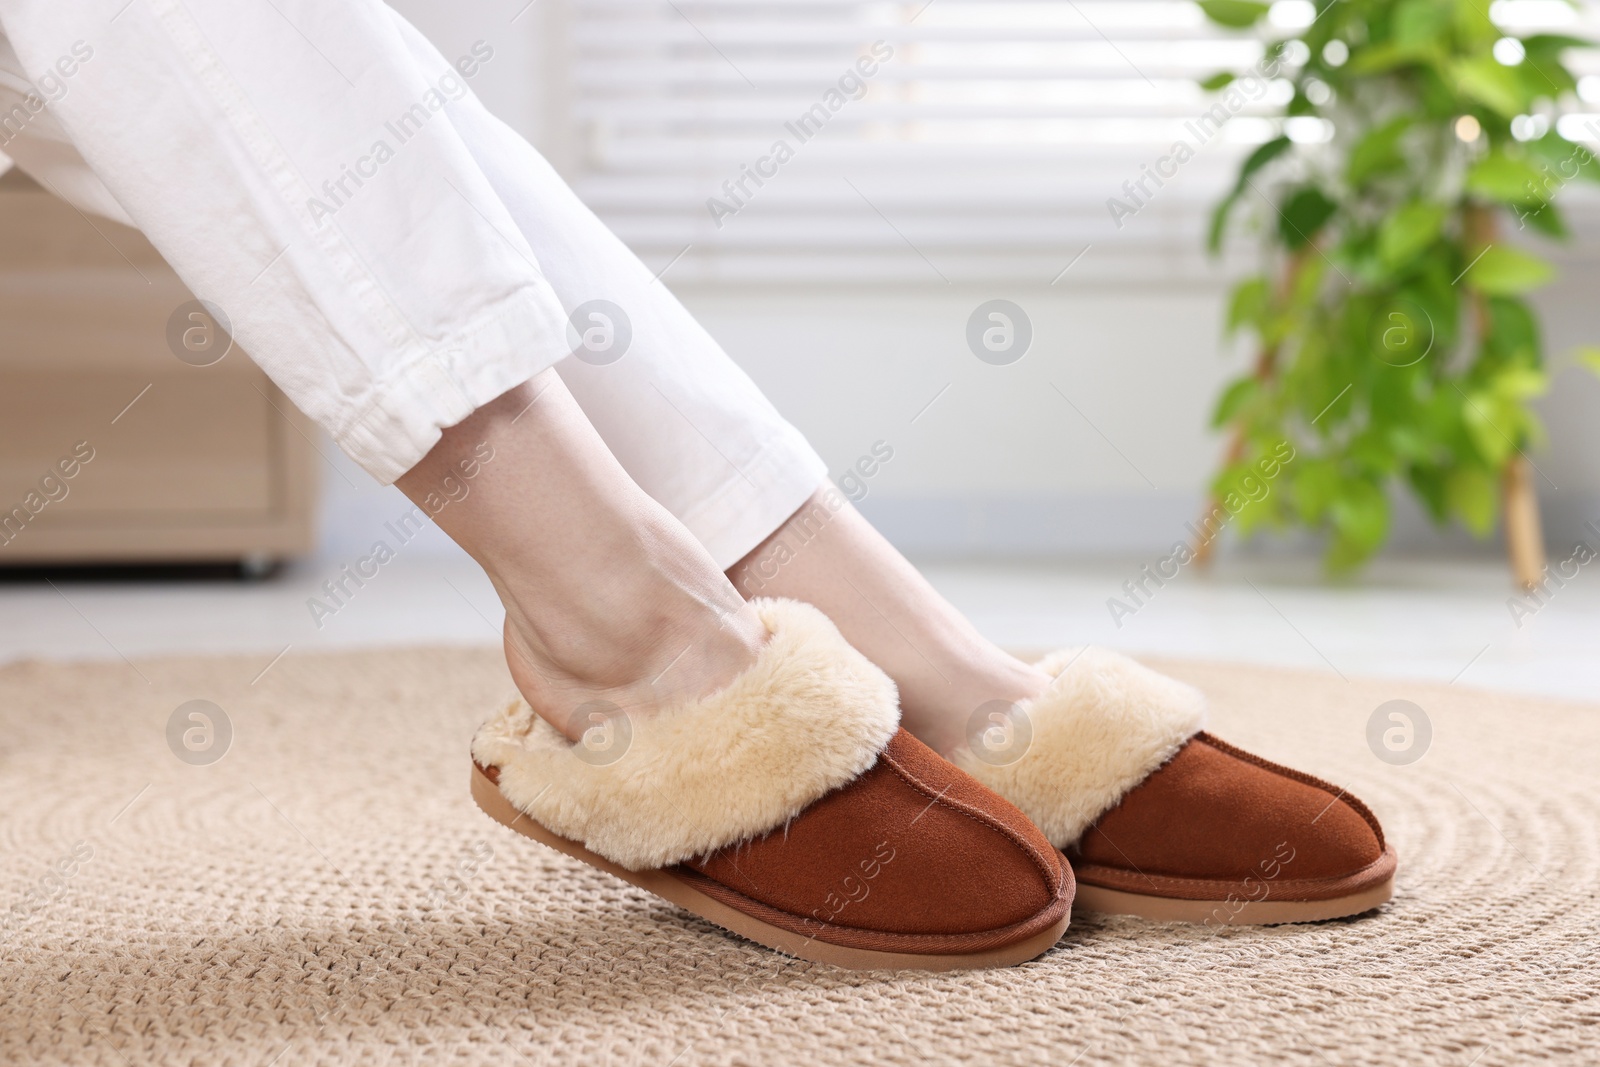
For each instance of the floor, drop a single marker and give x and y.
(1450, 621)
(327, 896)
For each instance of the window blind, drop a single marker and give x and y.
(852, 141)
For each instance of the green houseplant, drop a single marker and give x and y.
(1393, 339)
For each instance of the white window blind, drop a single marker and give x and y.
(955, 140)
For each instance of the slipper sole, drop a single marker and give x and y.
(1232, 910)
(674, 887)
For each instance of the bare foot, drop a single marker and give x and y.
(609, 600)
(952, 680)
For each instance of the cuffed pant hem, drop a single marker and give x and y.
(506, 346)
(758, 498)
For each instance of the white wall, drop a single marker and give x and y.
(1001, 463)
(519, 82)
(1008, 458)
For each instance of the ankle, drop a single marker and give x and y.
(608, 597)
(969, 696)
(670, 649)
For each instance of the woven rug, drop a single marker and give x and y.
(326, 893)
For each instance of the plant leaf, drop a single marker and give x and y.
(1500, 177)
(1470, 494)
(1513, 331)
(1429, 483)
(1418, 22)
(1303, 215)
(1327, 403)
(1489, 83)
(1378, 151)
(1505, 271)
(1514, 386)
(1543, 217)
(1492, 442)
(1408, 231)
(1263, 155)
(1314, 482)
(1474, 26)
(1248, 305)
(1542, 70)
(1235, 14)
(1552, 43)
(1220, 80)
(1360, 515)
(1389, 55)
(1565, 161)
(1234, 398)
(1589, 356)
(1544, 76)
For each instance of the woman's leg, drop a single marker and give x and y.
(388, 305)
(697, 435)
(607, 596)
(684, 421)
(828, 555)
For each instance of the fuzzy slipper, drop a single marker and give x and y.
(789, 808)
(1166, 822)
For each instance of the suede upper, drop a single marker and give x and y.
(913, 846)
(1215, 813)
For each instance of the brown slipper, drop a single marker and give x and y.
(1165, 822)
(789, 808)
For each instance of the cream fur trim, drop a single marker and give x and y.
(1100, 729)
(810, 715)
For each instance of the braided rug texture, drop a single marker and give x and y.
(326, 893)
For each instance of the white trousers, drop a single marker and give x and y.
(391, 254)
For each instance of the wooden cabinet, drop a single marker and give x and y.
(187, 463)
